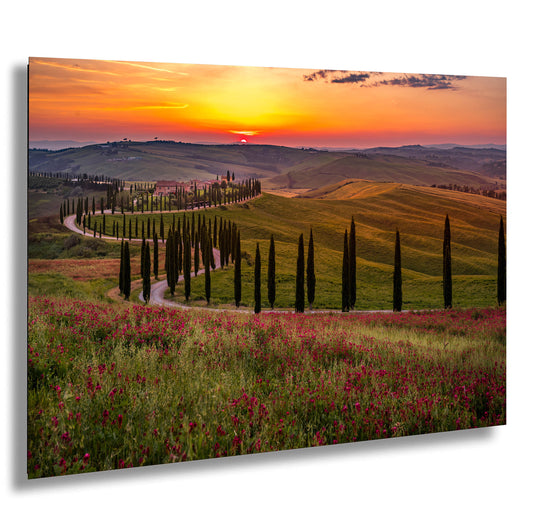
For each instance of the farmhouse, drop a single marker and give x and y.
(166, 187)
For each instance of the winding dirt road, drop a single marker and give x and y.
(157, 290)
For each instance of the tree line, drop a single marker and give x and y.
(188, 239)
(183, 201)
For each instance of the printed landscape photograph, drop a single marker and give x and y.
(231, 260)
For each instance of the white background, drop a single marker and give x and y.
(479, 472)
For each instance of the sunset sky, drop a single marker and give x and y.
(86, 100)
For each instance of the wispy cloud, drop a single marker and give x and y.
(72, 67)
(147, 67)
(244, 133)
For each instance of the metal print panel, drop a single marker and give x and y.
(234, 260)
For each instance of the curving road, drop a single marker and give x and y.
(157, 290)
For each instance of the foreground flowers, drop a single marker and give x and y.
(111, 389)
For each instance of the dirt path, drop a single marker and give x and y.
(157, 290)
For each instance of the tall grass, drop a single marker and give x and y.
(112, 388)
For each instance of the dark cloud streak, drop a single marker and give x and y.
(426, 81)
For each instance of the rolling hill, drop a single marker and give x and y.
(378, 209)
(278, 167)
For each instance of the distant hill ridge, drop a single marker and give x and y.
(277, 166)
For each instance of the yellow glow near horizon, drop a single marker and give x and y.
(103, 100)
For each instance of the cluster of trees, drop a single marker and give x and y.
(147, 201)
(215, 194)
(79, 179)
(191, 241)
(487, 192)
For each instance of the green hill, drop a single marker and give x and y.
(418, 213)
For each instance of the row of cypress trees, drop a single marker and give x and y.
(180, 243)
(247, 189)
(348, 270)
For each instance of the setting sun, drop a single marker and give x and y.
(88, 100)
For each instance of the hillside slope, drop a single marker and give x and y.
(376, 168)
(279, 167)
(378, 209)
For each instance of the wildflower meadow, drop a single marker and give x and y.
(137, 385)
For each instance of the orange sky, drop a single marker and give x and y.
(86, 100)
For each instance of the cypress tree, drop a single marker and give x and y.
(237, 280)
(156, 257)
(207, 275)
(196, 255)
(346, 275)
(300, 275)
(311, 279)
(127, 272)
(146, 274)
(169, 263)
(352, 265)
(397, 281)
(162, 229)
(178, 245)
(447, 265)
(121, 270)
(271, 272)
(257, 278)
(61, 213)
(187, 264)
(143, 245)
(502, 266)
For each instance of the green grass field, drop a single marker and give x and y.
(417, 212)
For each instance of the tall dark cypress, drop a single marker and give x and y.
(397, 280)
(61, 213)
(502, 266)
(237, 280)
(156, 257)
(447, 265)
(169, 262)
(196, 256)
(121, 270)
(127, 272)
(207, 274)
(346, 275)
(257, 278)
(146, 273)
(272, 273)
(143, 245)
(300, 276)
(311, 278)
(187, 264)
(352, 265)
